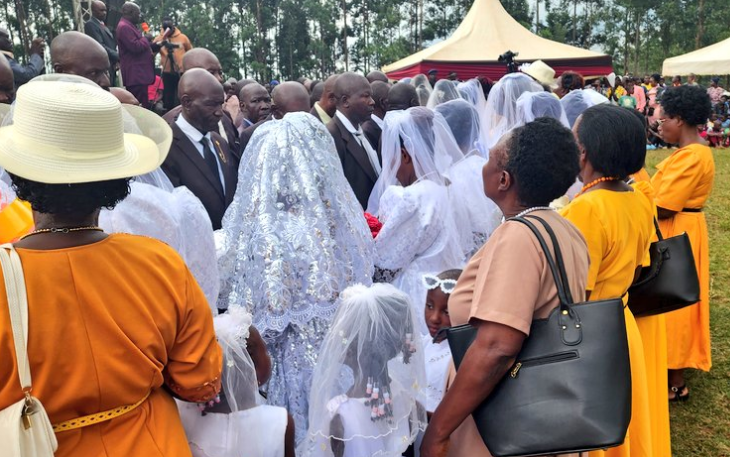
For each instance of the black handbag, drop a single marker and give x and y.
(670, 282)
(570, 388)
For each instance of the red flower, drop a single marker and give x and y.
(374, 224)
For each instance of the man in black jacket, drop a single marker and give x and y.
(97, 29)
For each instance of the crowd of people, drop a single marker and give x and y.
(266, 270)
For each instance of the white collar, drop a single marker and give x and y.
(191, 132)
(346, 122)
(377, 120)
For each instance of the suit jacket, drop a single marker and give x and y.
(135, 55)
(231, 133)
(372, 132)
(315, 113)
(355, 161)
(185, 166)
(247, 133)
(104, 37)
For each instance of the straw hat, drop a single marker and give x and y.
(542, 73)
(66, 129)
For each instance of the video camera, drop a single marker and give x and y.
(509, 59)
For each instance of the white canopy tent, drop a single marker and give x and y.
(711, 60)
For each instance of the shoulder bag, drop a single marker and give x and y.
(670, 282)
(570, 388)
(25, 430)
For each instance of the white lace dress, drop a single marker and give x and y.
(418, 237)
(177, 218)
(438, 358)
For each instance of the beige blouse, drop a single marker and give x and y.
(508, 281)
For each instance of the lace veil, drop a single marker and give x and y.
(502, 104)
(373, 380)
(532, 105)
(239, 382)
(294, 236)
(443, 91)
(426, 137)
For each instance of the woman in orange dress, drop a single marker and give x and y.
(683, 183)
(507, 284)
(114, 320)
(617, 223)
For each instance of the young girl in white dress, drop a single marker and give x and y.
(237, 424)
(437, 353)
(367, 385)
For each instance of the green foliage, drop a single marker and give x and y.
(292, 38)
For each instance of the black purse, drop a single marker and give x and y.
(670, 282)
(570, 388)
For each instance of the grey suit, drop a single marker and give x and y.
(101, 33)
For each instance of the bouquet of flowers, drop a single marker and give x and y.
(374, 224)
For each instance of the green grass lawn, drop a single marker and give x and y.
(701, 427)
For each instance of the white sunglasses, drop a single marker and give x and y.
(433, 282)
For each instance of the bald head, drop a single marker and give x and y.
(289, 97)
(98, 10)
(354, 97)
(202, 58)
(124, 96)
(132, 13)
(328, 101)
(201, 97)
(255, 102)
(380, 96)
(376, 75)
(7, 86)
(241, 84)
(402, 96)
(78, 54)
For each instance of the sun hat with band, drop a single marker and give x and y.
(541, 72)
(66, 130)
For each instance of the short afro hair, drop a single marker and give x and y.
(690, 103)
(74, 200)
(615, 156)
(542, 156)
(570, 80)
(450, 274)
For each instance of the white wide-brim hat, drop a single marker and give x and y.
(65, 130)
(542, 73)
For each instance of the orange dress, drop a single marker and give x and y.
(685, 180)
(653, 330)
(108, 323)
(16, 219)
(618, 228)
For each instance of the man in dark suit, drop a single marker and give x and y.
(360, 161)
(402, 96)
(373, 127)
(287, 97)
(325, 108)
(199, 158)
(135, 54)
(255, 105)
(97, 29)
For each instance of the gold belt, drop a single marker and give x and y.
(97, 418)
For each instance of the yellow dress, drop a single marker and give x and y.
(618, 228)
(16, 219)
(684, 180)
(653, 331)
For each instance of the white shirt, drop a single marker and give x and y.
(377, 120)
(360, 137)
(195, 136)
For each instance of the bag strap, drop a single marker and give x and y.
(658, 231)
(559, 283)
(18, 307)
(558, 256)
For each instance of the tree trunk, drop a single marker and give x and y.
(575, 20)
(344, 35)
(700, 24)
(537, 16)
(637, 41)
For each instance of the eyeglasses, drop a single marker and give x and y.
(434, 282)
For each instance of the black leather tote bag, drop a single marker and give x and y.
(670, 282)
(570, 388)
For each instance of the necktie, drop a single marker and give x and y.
(211, 161)
(372, 155)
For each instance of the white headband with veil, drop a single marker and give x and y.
(532, 105)
(443, 91)
(502, 104)
(423, 88)
(373, 379)
(426, 137)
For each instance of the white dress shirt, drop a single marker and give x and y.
(195, 136)
(360, 137)
(377, 120)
